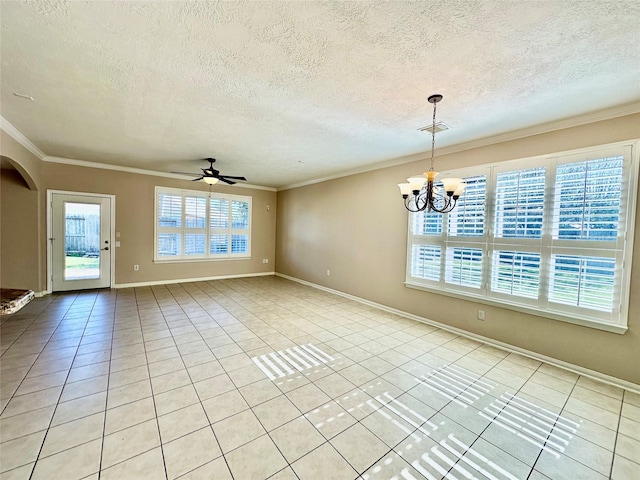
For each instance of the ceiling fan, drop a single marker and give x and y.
(211, 176)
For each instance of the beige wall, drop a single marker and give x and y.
(19, 236)
(21, 261)
(357, 227)
(23, 210)
(27, 164)
(135, 222)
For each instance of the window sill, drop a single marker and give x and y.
(584, 322)
(199, 260)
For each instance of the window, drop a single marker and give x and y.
(200, 225)
(549, 236)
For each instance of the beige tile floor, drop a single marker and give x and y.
(264, 378)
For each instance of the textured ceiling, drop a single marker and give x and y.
(286, 92)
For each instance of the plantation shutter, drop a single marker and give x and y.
(218, 226)
(199, 225)
(549, 236)
(517, 237)
(465, 239)
(239, 227)
(468, 218)
(425, 262)
(169, 227)
(588, 196)
(586, 234)
(464, 267)
(450, 248)
(195, 222)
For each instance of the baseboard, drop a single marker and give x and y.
(190, 280)
(42, 293)
(490, 341)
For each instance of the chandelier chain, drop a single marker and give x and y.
(433, 134)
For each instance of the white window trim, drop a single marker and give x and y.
(207, 257)
(630, 186)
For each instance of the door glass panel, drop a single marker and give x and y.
(81, 241)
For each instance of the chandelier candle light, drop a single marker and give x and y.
(420, 193)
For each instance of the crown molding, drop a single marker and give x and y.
(606, 114)
(593, 117)
(20, 138)
(600, 115)
(139, 171)
(368, 168)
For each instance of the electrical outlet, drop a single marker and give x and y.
(481, 315)
(265, 260)
(136, 267)
(328, 272)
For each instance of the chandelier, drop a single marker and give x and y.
(421, 193)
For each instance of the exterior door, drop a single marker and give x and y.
(80, 244)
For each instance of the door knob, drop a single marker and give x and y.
(105, 248)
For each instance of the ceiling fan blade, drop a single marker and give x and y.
(233, 178)
(210, 172)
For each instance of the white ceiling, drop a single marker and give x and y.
(336, 85)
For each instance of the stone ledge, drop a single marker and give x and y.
(13, 300)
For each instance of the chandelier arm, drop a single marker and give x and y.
(450, 204)
(421, 200)
(408, 201)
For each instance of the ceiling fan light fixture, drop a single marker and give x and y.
(210, 180)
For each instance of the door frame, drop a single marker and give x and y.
(112, 233)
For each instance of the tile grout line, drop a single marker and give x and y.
(7, 318)
(155, 408)
(615, 442)
(267, 433)
(26, 374)
(195, 390)
(359, 421)
(552, 428)
(106, 400)
(62, 389)
(440, 410)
